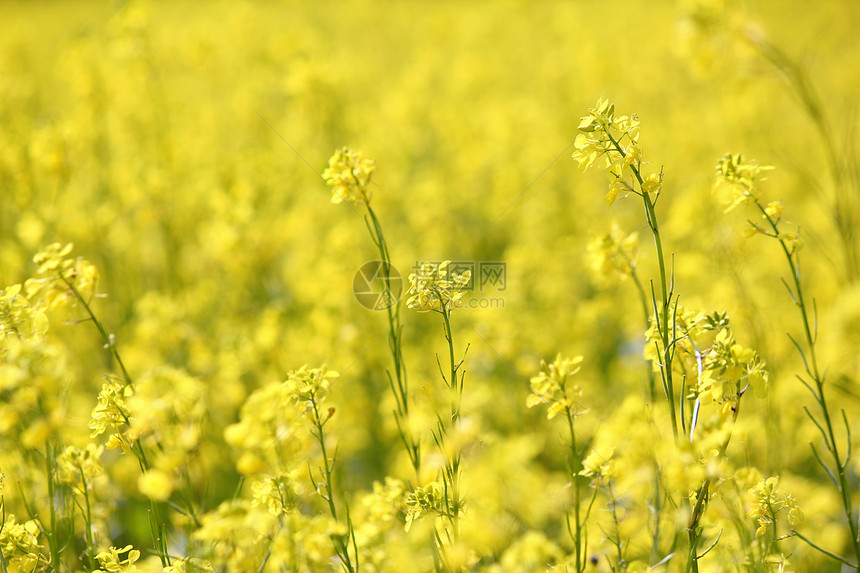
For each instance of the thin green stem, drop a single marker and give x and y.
(666, 295)
(400, 384)
(53, 541)
(157, 525)
(455, 384)
(106, 338)
(575, 467)
(341, 542)
(88, 517)
(813, 371)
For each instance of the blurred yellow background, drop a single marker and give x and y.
(178, 145)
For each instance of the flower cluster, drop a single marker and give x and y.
(112, 561)
(599, 467)
(19, 543)
(269, 433)
(552, 387)
(349, 175)
(18, 317)
(277, 494)
(431, 288)
(737, 180)
(309, 385)
(612, 256)
(167, 413)
(386, 500)
(60, 276)
(423, 501)
(111, 413)
(236, 533)
(615, 141)
(76, 464)
(706, 345)
(769, 502)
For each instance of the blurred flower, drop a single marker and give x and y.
(551, 387)
(111, 561)
(598, 466)
(769, 502)
(156, 484)
(737, 180)
(432, 289)
(612, 256)
(189, 565)
(75, 464)
(58, 275)
(349, 175)
(422, 501)
(111, 413)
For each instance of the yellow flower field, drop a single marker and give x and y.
(369, 286)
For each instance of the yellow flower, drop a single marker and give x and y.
(349, 175)
(774, 211)
(111, 560)
(156, 484)
(612, 256)
(551, 387)
(75, 463)
(19, 543)
(424, 501)
(770, 502)
(309, 385)
(598, 466)
(432, 289)
(737, 180)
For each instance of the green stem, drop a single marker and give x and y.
(666, 294)
(88, 533)
(156, 524)
(455, 383)
(341, 542)
(52, 537)
(575, 467)
(106, 338)
(400, 386)
(813, 371)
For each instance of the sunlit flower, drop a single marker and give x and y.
(737, 180)
(349, 175)
(552, 387)
(434, 288)
(111, 561)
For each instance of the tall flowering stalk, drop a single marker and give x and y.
(614, 142)
(553, 388)
(65, 280)
(738, 182)
(350, 174)
(308, 388)
(713, 371)
(434, 289)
